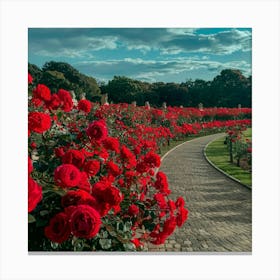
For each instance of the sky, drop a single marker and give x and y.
(146, 54)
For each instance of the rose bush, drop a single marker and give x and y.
(93, 179)
(91, 187)
(240, 148)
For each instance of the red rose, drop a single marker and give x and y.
(128, 157)
(113, 169)
(85, 221)
(136, 242)
(112, 144)
(92, 167)
(160, 199)
(76, 198)
(67, 175)
(84, 183)
(171, 205)
(152, 160)
(54, 103)
(36, 102)
(107, 197)
(38, 122)
(142, 167)
(33, 145)
(168, 228)
(58, 229)
(34, 194)
(181, 216)
(133, 210)
(106, 193)
(180, 202)
(137, 150)
(74, 157)
(97, 131)
(59, 151)
(103, 154)
(30, 79)
(30, 165)
(66, 100)
(161, 183)
(84, 105)
(42, 92)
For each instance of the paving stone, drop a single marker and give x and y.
(168, 246)
(220, 214)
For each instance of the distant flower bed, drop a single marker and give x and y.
(93, 179)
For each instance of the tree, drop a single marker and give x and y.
(198, 92)
(35, 72)
(171, 93)
(123, 90)
(71, 79)
(231, 88)
(55, 80)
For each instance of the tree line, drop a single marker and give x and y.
(228, 89)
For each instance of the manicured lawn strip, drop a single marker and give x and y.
(248, 133)
(218, 154)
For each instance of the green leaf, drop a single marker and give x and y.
(54, 245)
(127, 226)
(79, 245)
(44, 212)
(129, 246)
(31, 218)
(104, 234)
(41, 222)
(105, 243)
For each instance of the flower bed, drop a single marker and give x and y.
(93, 183)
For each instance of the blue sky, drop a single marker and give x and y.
(147, 54)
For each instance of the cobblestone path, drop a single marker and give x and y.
(220, 217)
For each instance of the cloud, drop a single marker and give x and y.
(170, 53)
(220, 43)
(171, 41)
(67, 42)
(153, 70)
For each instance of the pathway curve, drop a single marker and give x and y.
(220, 217)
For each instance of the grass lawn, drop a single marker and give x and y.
(248, 133)
(218, 154)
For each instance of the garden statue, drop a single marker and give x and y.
(74, 97)
(104, 99)
(147, 105)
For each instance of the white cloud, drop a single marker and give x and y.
(157, 70)
(79, 46)
(168, 41)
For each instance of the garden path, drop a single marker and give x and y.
(220, 214)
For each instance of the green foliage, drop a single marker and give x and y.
(231, 88)
(58, 75)
(228, 89)
(55, 80)
(217, 153)
(35, 72)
